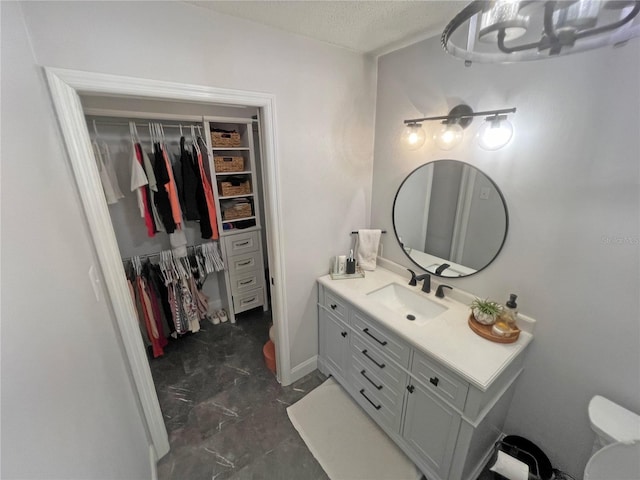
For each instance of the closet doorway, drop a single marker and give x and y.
(66, 87)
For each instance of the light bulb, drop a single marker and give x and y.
(495, 133)
(413, 136)
(449, 135)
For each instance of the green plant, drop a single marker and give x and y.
(487, 307)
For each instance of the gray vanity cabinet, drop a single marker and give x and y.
(334, 344)
(431, 428)
(446, 425)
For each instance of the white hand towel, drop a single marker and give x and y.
(368, 241)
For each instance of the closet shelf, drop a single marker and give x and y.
(235, 231)
(230, 174)
(239, 220)
(230, 149)
(245, 195)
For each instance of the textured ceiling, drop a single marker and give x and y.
(372, 27)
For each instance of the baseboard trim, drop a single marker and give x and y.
(304, 368)
(153, 463)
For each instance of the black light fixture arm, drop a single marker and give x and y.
(460, 116)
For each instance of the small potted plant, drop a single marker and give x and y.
(485, 311)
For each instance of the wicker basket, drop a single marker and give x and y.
(228, 164)
(225, 139)
(241, 210)
(228, 188)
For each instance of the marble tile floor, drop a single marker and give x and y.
(226, 413)
(224, 410)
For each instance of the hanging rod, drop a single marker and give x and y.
(144, 125)
(149, 255)
(356, 233)
(462, 115)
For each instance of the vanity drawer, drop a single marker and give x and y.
(376, 362)
(335, 305)
(389, 392)
(249, 300)
(391, 345)
(241, 243)
(445, 384)
(246, 282)
(241, 264)
(389, 415)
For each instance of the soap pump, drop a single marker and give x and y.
(511, 310)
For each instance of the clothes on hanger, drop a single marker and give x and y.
(168, 297)
(108, 177)
(190, 183)
(201, 153)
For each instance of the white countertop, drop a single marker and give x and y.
(447, 337)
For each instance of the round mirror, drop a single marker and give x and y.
(450, 218)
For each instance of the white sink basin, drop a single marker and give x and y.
(407, 303)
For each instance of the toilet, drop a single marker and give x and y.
(616, 449)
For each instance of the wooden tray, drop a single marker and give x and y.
(485, 332)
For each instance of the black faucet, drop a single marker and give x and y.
(442, 268)
(426, 285)
(440, 290)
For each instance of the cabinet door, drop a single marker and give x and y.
(334, 344)
(431, 428)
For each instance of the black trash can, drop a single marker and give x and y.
(527, 452)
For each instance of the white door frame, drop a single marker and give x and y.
(65, 87)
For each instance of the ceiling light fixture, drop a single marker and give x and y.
(510, 30)
(494, 134)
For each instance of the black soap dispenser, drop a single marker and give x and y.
(511, 310)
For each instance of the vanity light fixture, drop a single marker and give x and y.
(413, 136)
(494, 134)
(500, 31)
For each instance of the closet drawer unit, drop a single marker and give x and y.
(248, 300)
(391, 345)
(240, 265)
(335, 305)
(246, 282)
(390, 393)
(438, 380)
(241, 243)
(377, 362)
(388, 415)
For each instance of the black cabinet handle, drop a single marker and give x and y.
(242, 244)
(243, 264)
(366, 330)
(364, 374)
(344, 334)
(333, 306)
(380, 365)
(434, 380)
(377, 407)
(411, 388)
(246, 282)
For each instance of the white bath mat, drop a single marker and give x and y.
(345, 441)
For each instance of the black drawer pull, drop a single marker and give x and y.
(380, 365)
(364, 374)
(377, 407)
(248, 262)
(344, 334)
(434, 380)
(252, 299)
(333, 306)
(242, 244)
(246, 282)
(366, 330)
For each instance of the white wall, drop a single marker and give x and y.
(570, 177)
(68, 407)
(324, 109)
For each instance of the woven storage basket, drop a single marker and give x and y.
(228, 188)
(228, 164)
(225, 139)
(242, 210)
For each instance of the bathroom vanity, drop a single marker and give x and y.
(436, 388)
